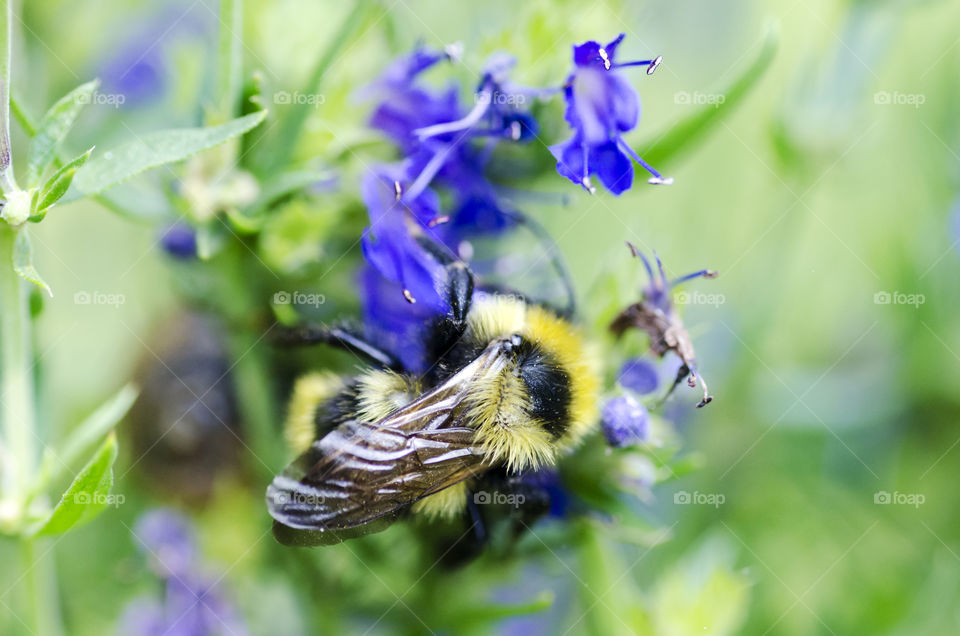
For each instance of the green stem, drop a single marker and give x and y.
(252, 380)
(229, 57)
(7, 182)
(16, 373)
(40, 586)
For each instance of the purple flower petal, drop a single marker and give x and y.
(612, 166)
(168, 541)
(639, 376)
(625, 421)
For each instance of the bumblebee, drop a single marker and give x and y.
(511, 387)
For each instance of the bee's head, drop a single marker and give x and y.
(542, 399)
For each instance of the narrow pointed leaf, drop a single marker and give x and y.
(88, 495)
(687, 132)
(53, 128)
(156, 149)
(91, 429)
(57, 186)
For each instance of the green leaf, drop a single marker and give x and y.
(53, 128)
(56, 186)
(23, 262)
(89, 493)
(685, 133)
(285, 184)
(156, 149)
(94, 427)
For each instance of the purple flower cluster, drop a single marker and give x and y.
(192, 604)
(445, 149)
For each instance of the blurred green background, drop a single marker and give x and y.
(834, 182)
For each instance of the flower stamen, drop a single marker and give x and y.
(603, 56)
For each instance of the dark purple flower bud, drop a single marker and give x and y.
(180, 241)
(625, 421)
(639, 375)
(550, 482)
(167, 539)
(601, 105)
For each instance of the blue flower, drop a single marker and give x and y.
(639, 375)
(436, 138)
(390, 243)
(657, 291)
(192, 604)
(499, 109)
(625, 421)
(180, 241)
(601, 106)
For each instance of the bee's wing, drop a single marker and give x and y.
(360, 476)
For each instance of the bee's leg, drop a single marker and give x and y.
(458, 283)
(342, 338)
(532, 502)
(468, 541)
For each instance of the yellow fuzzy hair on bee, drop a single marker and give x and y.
(505, 431)
(309, 392)
(382, 392)
(446, 504)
